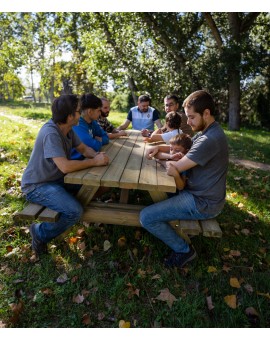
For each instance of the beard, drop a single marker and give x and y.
(104, 114)
(200, 127)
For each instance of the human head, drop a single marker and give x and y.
(171, 103)
(90, 106)
(144, 102)
(200, 110)
(63, 106)
(173, 120)
(180, 143)
(105, 109)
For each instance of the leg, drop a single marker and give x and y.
(56, 197)
(155, 219)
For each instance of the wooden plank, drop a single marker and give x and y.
(211, 228)
(190, 227)
(95, 174)
(30, 212)
(131, 173)
(158, 196)
(48, 215)
(148, 175)
(124, 195)
(165, 182)
(111, 215)
(112, 176)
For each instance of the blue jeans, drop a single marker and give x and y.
(59, 197)
(155, 219)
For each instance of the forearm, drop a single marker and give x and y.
(179, 181)
(162, 155)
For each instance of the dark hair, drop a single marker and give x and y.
(173, 120)
(144, 98)
(64, 106)
(182, 139)
(173, 97)
(90, 101)
(200, 101)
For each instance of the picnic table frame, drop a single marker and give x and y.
(128, 169)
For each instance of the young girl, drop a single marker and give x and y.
(170, 129)
(179, 146)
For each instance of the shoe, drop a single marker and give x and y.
(180, 259)
(38, 246)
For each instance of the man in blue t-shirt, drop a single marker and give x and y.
(142, 116)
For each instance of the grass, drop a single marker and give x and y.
(79, 285)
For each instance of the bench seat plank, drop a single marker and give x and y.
(48, 215)
(211, 228)
(30, 212)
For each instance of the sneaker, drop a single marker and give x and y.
(38, 246)
(180, 259)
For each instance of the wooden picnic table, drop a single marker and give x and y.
(128, 169)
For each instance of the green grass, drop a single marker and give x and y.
(124, 283)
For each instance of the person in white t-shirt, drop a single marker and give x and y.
(169, 130)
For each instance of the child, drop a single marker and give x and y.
(170, 129)
(179, 146)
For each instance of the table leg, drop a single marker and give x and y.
(124, 195)
(86, 193)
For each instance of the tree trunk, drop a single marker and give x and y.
(234, 101)
(133, 88)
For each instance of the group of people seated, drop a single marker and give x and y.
(71, 140)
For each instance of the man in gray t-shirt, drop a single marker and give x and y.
(206, 165)
(43, 178)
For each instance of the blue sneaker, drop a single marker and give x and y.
(38, 246)
(180, 259)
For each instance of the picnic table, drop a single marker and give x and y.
(128, 169)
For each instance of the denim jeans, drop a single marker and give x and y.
(155, 219)
(59, 197)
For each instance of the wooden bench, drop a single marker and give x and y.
(36, 212)
(120, 214)
(123, 214)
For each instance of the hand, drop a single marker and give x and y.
(99, 139)
(122, 133)
(147, 139)
(151, 152)
(101, 159)
(171, 169)
(176, 156)
(145, 132)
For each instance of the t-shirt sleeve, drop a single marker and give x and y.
(156, 115)
(129, 116)
(53, 146)
(202, 150)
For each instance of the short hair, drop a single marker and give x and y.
(173, 119)
(200, 101)
(63, 106)
(173, 97)
(182, 139)
(144, 98)
(90, 101)
(103, 99)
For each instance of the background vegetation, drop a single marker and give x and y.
(132, 53)
(80, 284)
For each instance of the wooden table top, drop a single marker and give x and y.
(128, 168)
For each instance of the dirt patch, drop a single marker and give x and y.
(250, 164)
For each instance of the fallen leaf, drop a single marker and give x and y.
(211, 269)
(251, 311)
(230, 301)
(235, 253)
(78, 298)
(156, 277)
(165, 295)
(81, 246)
(248, 288)
(226, 268)
(86, 319)
(132, 290)
(264, 294)
(62, 278)
(240, 205)
(122, 241)
(107, 245)
(245, 231)
(234, 194)
(124, 324)
(234, 282)
(209, 303)
(101, 316)
(73, 240)
(141, 273)
(46, 291)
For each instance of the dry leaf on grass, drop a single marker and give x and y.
(212, 269)
(106, 245)
(230, 301)
(165, 295)
(234, 282)
(209, 302)
(78, 298)
(124, 324)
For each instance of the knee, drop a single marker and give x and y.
(144, 218)
(76, 211)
